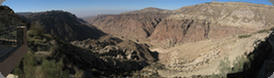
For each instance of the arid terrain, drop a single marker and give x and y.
(169, 27)
(208, 40)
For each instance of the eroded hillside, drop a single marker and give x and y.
(133, 25)
(206, 40)
(187, 24)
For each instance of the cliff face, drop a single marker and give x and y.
(188, 24)
(132, 26)
(172, 31)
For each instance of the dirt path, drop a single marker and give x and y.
(12, 60)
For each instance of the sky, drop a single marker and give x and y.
(83, 8)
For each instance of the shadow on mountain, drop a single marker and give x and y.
(63, 25)
(257, 58)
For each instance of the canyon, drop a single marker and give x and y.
(188, 24)
(208, 40)
(202, 40)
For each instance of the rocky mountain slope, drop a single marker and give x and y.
(49, 58)
(92, 53)
(9, 19)
(187, 24)
(231, 40)
(132, 25)
(63, 25)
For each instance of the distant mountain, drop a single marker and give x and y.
(63, 25)
(187, 24)
(149, 10)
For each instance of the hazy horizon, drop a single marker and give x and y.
(87, 8)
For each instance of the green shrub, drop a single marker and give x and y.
(28, 63)
(53, 69)
(238, 65)
(263, 31)
(224, 67)
(244, 36)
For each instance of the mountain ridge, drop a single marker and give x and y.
(63, 25)
(225, 19)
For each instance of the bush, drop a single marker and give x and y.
(244, 36)
(53, 69)
(225, 67)
(28, 63)
(262, 31)
(238, 65)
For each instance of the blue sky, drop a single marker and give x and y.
(93, 7)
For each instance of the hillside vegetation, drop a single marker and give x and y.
(51, 54)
